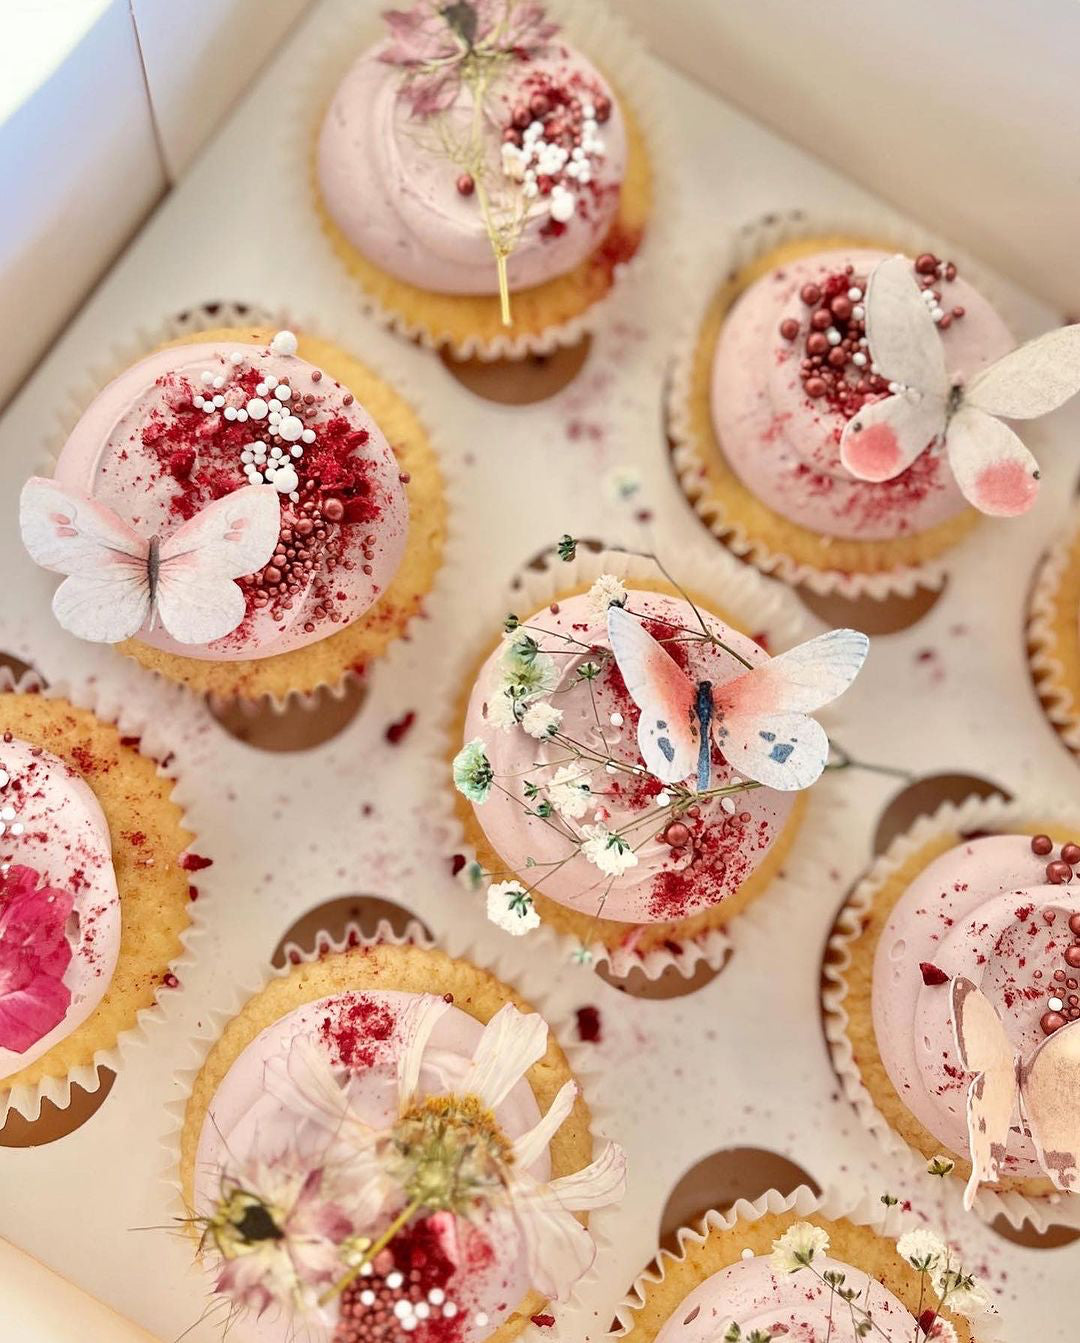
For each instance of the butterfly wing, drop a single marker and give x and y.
(883, 438)
(994, 470)
(106, 596)
(905, 344)
(196, 597)
(984, 1049)
(1033, 379)
(762, 722)
(668, 732)
(1050, 1099)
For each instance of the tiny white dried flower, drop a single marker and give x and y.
(510, 907)
(798, 1246)
(501, 711)
(610, 852)
(606, 591)
(924, 1250)
(541, 719)
(568, 791)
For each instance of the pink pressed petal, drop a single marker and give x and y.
(34, 954)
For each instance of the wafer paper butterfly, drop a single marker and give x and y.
(118, 581)
(760, 719)
(993, 469)
(1047, 1087)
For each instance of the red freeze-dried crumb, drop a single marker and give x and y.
(194, 862)
(543, 1321)
(588, 1024)
(135, 838)
(354, 1027)
(931, 975)
(84, 761)
(397, 730)
(457, 862)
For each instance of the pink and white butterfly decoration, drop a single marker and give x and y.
(929, 408)
(1045, 1088)
(760, 719)
(118, 581)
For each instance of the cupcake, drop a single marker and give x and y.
(796, 1268)
(628, 772)
(481, 178)
(836, 412)
(386, 1142)
(1054, 635)
(94, 896)
(277, 507)
(954, 996)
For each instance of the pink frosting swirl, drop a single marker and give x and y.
(791, 1306)
(983, 910)
(53, 825)
(392, 191)
(723, 847)
(147, 450)
(784, 445)
(361, 1033)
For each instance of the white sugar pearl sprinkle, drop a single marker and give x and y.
(726, 804)
(284, 342)
(611, 769)
(236, 358)
(197, 402)
(297, 451)
(208, 378)
(409, 1323)
(256, 408)
(275, 405)
(1055, 1004)
(17, 828)
(854, 293)
(367, 1297)
(833, 336)
(261, 388)
(858, 359)
(308, 436)
(480, 1319)
(402, 1309)
(7, 813)
(284, 392)
(617, 720)
(5, 778)
(436, 1296)
(209, 407)
(394, 1281)
(219, 381)
(271, 381)
(292, 427)
(449, 1310)
(230, 413)
(241, 416)
(422, 1309)
(219, 401)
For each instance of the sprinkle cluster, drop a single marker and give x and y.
(836, 365)
(8, 823)
(391, 1300)
(552, 144)
(1064, 1003)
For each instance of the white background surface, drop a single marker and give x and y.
(742, 1061)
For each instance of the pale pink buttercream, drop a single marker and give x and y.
(243, 1113)
(65, 838)
(668, 883)
(784, 446)
(393, 192)
(124, 451)
(983, 910)
(792, 1306)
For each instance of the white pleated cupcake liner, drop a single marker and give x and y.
(748, 600)
(347, 28)
(755, 239)
(26, 1099)
(973, 814)
(149, 337)
(832, 1205)
(1060, 700)
(532, 984)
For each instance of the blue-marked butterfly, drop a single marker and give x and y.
(759, 720)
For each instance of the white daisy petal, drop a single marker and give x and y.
(602, 1182)
(528, 1147)
(423, 1016)
(511, 1043)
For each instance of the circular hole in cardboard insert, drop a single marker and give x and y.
(1053, 1238)
(520, 382)
(868, 614)
(337, 918)
(670, 983)
(719, 1180)
(924, 796)
(300, 726)
(15, 669)
(55, 1122)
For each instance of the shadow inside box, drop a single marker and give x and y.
(718, 1181)
(54, 1121)
(298, 725)
(520, 382)
(345, 918)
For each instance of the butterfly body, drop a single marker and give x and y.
(759, 719)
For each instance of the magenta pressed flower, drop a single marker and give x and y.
(34, 954)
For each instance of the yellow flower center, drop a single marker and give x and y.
(449, 1152)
